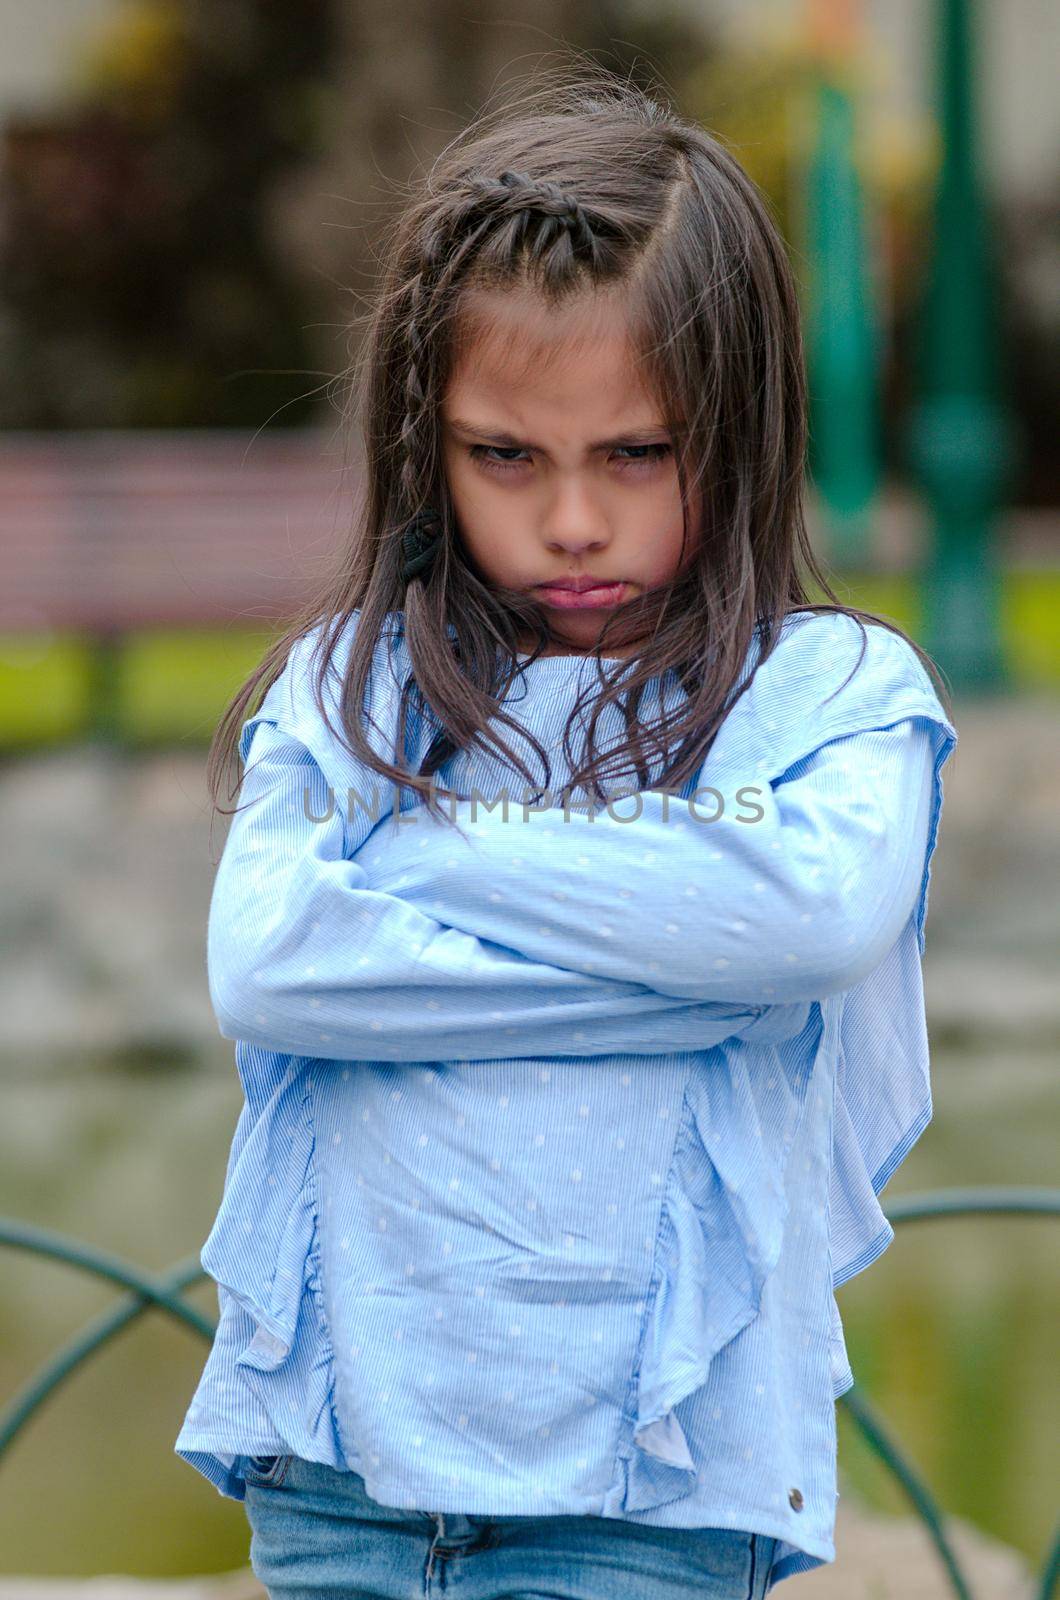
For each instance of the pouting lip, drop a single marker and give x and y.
(580, 585)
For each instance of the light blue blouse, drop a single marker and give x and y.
(560, 1130)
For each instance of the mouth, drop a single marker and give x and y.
(578, 584)
(578, 593)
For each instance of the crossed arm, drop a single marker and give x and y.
(305, 957)
(797, 894)
(580, 937)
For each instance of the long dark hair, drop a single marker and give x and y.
(583, 181)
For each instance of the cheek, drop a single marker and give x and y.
(464, 493)
(472, 493)
(667, 521)
(480, 525)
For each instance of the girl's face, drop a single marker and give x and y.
(558, 461)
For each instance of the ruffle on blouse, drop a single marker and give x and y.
(264, 1250)
(290, 702)
(723, 1220)
(796, 702)
(721, 1235)
(882, 1106)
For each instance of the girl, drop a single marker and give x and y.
(567, 1104)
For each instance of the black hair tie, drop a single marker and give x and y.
(420, 543)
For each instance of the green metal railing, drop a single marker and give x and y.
(164, 1293)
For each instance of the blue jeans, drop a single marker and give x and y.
(317, 1535)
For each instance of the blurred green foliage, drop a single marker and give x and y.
(140, 285)
(174, 685)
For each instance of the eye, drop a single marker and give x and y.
(498, 458)
(651, 454)
(487, 455)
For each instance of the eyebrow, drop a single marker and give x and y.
(508, 441)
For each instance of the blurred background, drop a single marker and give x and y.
(191, 193)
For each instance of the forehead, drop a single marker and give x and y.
(521, 362)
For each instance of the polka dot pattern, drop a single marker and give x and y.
(552, 1157)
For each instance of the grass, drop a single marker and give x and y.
(170, 687)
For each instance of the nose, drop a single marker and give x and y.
(575, 520)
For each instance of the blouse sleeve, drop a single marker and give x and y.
(304, 957)
(796, 891)
(800, 902)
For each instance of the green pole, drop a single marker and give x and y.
(841, 335)
(960, 439)
(104, 688)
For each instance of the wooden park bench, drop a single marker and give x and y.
(106, 532)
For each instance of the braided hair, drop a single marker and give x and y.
(581, 184)
(492, 223)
